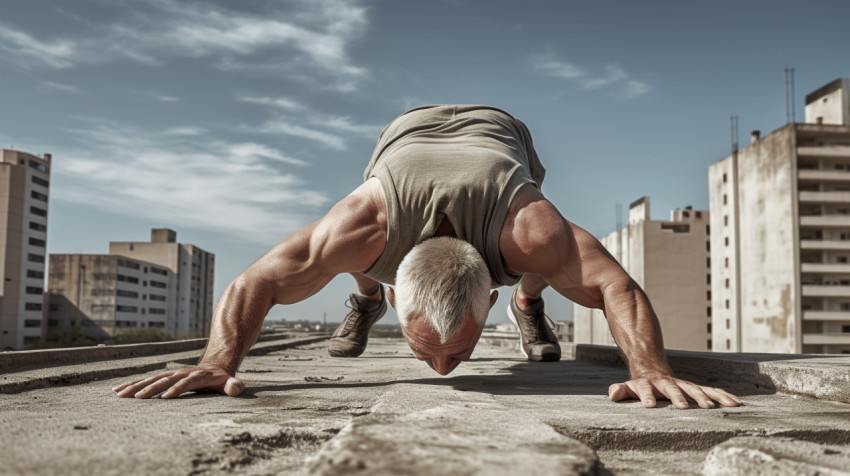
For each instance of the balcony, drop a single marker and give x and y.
(826, 339)
(826, 221)
(824, 175)
(830, 152)
(825, 197)
(825, 244)
(826, 315)
(824, 290)
(825, 268)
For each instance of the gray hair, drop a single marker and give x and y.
(443, 279)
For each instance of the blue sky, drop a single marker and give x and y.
(237, 123)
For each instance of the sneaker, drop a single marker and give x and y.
(349, 339)
(537, 340)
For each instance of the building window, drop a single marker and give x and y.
(707, 229)
(845, 306)
(708, 328)
(101, 307)
(52, 323)
(32, 323)
(156, 311)
(159, 271)
(38, 211)
(126, 324)
(684, 214)
(842, 259)
(724, 177)
(156, 324)
(128, 264)
(845, 328)
(727, 304)
(127, 294)
(708, 311)
(40, 181)
(38, 196)
(726, 241)
(102, 292)
(31, 273)
(727, 323)
(126, 308)
(709, 344)
(34, 290)
(103, 276)
(38, 166)
(37, 242)
(128, 279)
(708, 262)
(698, 214)
(37, 226)
(707, 246)
(724, 199)
(725, 220)
(157, 284)
(32, 306)
(708, 295)
(157, 297)
(707, 279)
(728, 344)
(33, 258)
(727, 283)
(726, 262)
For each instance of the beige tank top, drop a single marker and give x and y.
(463, 164)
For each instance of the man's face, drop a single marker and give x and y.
(443, 358)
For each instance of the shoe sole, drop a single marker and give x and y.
(513, 319)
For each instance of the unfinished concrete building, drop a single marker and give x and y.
(24, 197)
(105, 294)
(780, 220)
(160, 283)
(195, 269)
(670, 261)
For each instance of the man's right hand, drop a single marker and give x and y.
(177, 382)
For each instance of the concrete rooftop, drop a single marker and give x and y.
(387, 413)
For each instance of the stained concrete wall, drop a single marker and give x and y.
(829, 104)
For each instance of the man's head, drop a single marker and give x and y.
(442, 297)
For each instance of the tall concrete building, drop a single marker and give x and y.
(670, 261)
(103, 294)
(780, 220)
(160, 283)
(195, 270)
(24, 197)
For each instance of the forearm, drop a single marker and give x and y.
(635, 329)
(237, 322)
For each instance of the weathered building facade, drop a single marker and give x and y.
(24, 198)
(670, 261)
(780, 220)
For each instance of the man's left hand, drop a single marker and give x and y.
(678, 391)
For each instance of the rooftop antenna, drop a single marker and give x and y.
(734, 130)
(790, 112)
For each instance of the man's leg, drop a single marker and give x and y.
(368, 305)
(537, 340)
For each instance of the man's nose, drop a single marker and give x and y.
(444, 366)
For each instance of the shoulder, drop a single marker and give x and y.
(534, 233)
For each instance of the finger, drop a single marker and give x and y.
(697, 394)
(643, 389)
(620, 391)
(124, 385)
(672, 391)
(189, 383)
(726, 399)
(157, 387)
(233, 387)
(134, 387)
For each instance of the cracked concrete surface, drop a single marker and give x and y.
(386, 413)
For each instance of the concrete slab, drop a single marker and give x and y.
(301, 404)
(777, 456)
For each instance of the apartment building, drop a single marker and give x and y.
(195, 269)
(670, 261)
(24, 198)
(161, 283)
(780, 220)
(103, 294)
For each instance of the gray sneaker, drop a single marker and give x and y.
(349, 339)
(536, 338)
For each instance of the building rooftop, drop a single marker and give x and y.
(387, 413)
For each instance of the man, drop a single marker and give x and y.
(450, 207)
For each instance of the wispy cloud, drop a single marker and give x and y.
(185, 177)
(303, 39)
(163, 97)
(281, 102)
(612, 76)
(65, 88)
(279, 126)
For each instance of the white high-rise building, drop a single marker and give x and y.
(24, 198)
(780, 221)
(670, 261)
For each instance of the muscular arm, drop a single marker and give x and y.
(537, 239)
(349, 238)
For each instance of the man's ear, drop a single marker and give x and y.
(493, 296)
(390, 296)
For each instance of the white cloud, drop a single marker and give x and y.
(163, 98)
(613, 76)
(281, 102)
(332, 141)
(65, 88)
(304, 39)
(187, 179)
(185, 131)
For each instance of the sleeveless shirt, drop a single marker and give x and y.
(461, 163)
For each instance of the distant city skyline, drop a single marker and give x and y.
(238, 123)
